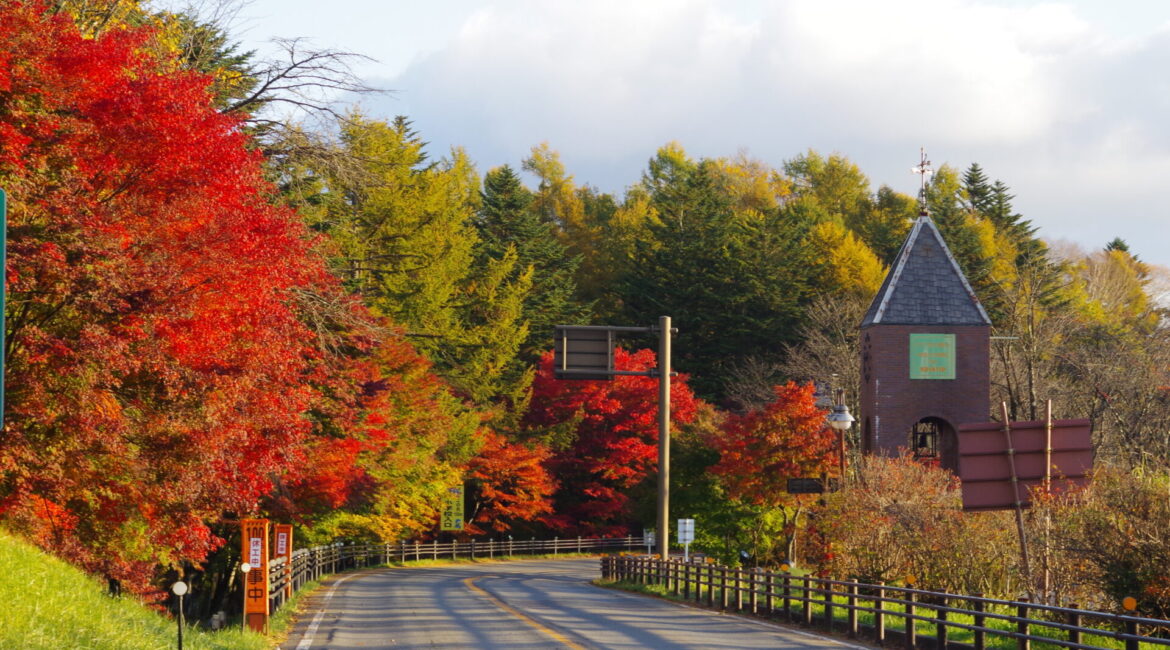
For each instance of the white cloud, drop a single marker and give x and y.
(1061, 110)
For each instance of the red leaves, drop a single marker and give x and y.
(759, 451)
(512, 484)
(158, 373)
(614, 429)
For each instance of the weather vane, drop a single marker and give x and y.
(923, 169)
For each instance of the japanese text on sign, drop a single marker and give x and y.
(452, 518)
(932, 356)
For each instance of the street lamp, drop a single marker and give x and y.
(180, 589)
(841, 420)
(244, 569)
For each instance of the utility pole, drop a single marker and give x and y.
(663, 437)
(586, 352)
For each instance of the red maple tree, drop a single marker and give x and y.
(613, 429)
(760, 450)
(158, 371)
(510, 483)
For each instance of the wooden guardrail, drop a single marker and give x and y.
(916, 617)
(314, 563)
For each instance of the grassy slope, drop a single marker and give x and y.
(49, 604)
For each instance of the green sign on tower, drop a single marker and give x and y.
(932, 356)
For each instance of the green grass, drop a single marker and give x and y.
(893, 620)
(51, 604)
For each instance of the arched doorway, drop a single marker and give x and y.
(933, 441)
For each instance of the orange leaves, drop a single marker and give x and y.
(158, 374)
(512, 484)
(760, 450)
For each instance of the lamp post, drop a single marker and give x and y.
(244, 569)
(180, 589)
(841, 420)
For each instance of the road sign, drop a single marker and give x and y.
(811, 485)
(985, 463)
(583, 352)
(686, 535)
(452, 518)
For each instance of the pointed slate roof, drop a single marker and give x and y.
(925, 286)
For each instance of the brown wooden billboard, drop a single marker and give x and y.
(987, 461)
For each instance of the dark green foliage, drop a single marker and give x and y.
(1118, 244)
(958, 227)
(505, 220)
(734, 283)
(885, 222)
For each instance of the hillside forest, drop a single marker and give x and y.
(231, 296)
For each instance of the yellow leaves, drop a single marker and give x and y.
(846, 264)
(754, 185)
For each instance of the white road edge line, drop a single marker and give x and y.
(307, 640)
(743, 617)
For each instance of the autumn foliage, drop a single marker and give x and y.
(157, 366)
(760, 450)
(610, 434)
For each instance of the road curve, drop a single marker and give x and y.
(517, 605)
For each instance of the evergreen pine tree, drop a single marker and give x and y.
(506, 220)
(977, 189)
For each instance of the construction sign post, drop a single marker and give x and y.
(284, 549)
(254, 551)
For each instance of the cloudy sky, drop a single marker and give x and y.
(1066, 102)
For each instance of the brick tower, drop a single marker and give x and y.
(924, 354)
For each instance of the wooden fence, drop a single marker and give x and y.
(915, 617)
(314, 563)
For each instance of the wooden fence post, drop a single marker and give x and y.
(980, 635)
(769, 587)
(828, 589)
(940, 626)
(853, 609)
(710, 585)
(807, 602)
(753, 586)
(879, 618)
(1022, 627)
(787, 600)
(739, 588)
(911, 628)
(1131, 628)
(1074, 619)
(723, 587)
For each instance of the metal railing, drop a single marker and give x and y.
(314, 563)
(892, 612)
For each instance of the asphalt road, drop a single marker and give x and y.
(517, 606)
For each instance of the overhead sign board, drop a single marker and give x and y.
(932, 356)
(583, 352)
(985, 465)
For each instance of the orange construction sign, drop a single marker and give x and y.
(255, 553)
(284, 549)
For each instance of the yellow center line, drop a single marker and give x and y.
(470, 582)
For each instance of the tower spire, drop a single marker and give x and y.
(923, 169)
